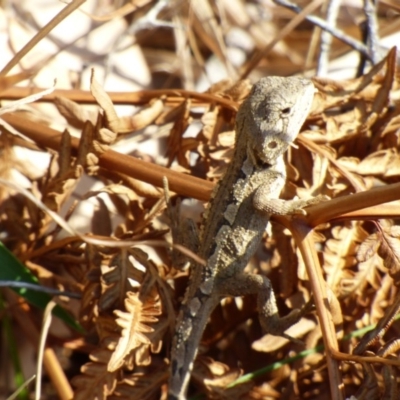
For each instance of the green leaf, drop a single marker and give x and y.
(11, 269)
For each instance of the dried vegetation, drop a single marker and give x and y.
(118, 264)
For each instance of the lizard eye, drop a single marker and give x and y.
(286, 110)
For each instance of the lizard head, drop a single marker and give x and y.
(272, 116)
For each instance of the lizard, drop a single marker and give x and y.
(267, 123)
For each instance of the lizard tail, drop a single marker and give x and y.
(193, 320)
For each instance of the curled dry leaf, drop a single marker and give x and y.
(96, 382)
(105, 102)
(134, 323)
(209, 121)
(106, 136)
(75, 114)
(340, 255)
(216, 376)
(147, 115)
(389, 250)
(174, 145)
(122, 125)
(237, 91)
(386, 244)
(269, 343)
(140, 386)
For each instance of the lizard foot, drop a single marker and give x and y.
(277, 326)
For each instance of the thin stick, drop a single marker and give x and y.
(356, 45)
(39, 288)
(332, 10)
(302, 233)
(185, 185)
(372, 29)
(41, 34)
(43, 336)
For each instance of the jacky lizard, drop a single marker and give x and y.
(267, 122)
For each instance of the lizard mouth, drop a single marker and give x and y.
(267, 154)
(261, 160)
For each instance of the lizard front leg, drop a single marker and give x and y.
(272, 206)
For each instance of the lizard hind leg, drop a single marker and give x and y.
(271, 322)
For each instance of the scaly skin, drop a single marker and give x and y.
(267, 123)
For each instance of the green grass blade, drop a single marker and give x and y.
(12, 350)
(11, 269)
